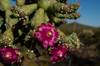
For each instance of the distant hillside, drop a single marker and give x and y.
(70, 27)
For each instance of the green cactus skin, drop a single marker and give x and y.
(9, 20)
(20, 2)
(5, 4)
(7, 37)
(59, 15)
(46, 18)
(38, 17)
(56, 20)
(45, 4)
(28, 9)
(72, 40)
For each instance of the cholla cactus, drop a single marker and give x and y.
(32, 26)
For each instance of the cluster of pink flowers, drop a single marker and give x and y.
(9, 55)
(58, 53)
(47, 34)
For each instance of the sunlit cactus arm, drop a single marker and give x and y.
(7, 37)
(67, 16)
(4, 4)
(57, 7)
(73, 7)
(20, 2)
(73, 16)
(45, 4)
(29, 9)
(46, 18)
(59, 17)
(56, 20)
(72, 40)
(62, 16)
(38, 18)
(10, 21)
(65, 8)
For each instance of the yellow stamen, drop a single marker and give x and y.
(49, 34)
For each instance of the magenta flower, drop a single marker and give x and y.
(47, 34)
(9, 55)
(58, 53)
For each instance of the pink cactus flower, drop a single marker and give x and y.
(9, 55)
(58, 53)
(47, 34)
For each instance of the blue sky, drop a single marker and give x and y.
(90, 12)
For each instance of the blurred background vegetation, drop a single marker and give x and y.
(89, 55)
